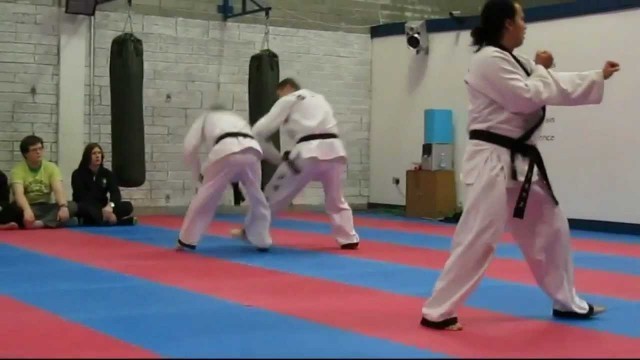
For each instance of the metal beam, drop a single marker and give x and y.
(226, 9)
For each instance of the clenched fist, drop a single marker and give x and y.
(544, 58)
(610, 67)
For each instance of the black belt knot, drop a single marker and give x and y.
(286, 156)
(518, 147)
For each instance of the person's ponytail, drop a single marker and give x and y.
(479, 37)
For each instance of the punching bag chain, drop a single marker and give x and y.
(129, 20)
(265, 39)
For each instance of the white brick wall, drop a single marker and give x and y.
(200, 62)
(197, 63)
(28, 59)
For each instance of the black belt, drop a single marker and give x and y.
(517, 146)
(312, 137)
(232, 134)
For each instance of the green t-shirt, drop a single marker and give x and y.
(36, 182)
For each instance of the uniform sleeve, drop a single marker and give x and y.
(271, 122)
(579, 88)
(270, 152)
(499, 77)
(192, 142)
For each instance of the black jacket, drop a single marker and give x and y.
(96, 189)
(4, 188)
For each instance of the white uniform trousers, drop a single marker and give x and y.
(543, 236)
(243, 167)
(285, 185)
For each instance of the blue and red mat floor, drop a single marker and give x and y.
(124, 292)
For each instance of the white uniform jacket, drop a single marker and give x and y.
(504, 100)
(298, 114)
(206, 130)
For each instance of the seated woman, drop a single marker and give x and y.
(91, 183)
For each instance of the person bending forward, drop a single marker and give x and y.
(233, 155)
(319, 155)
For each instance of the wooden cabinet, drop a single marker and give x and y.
(430, 193)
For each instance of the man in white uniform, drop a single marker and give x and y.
(319, 155)
(507, 95)
(233, 156)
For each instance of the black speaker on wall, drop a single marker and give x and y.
(84, 7)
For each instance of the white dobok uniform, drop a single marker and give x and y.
(233, 156)
(319, 155)
(506, 100)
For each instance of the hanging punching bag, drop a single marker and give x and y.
(126, 72)
(264, 75)
(238, 197)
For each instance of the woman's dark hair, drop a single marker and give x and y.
(492, 19)
(86, 155)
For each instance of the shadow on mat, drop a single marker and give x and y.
(242, 249)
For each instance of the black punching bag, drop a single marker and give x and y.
(126, 73)
(264, 75)
(238, 197)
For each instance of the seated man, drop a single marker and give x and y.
(96, 191)
(33, 181)
(9, 213)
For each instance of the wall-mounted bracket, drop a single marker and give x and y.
(226, 9)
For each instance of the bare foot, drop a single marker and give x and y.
(35, 225)
(598, 310)
(455, 327)
(9, 226)
(242, 235)
(237, 232)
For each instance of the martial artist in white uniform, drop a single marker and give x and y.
(506, 103)
(319, 155)
(233, 156)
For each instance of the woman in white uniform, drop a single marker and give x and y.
(508, 94)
